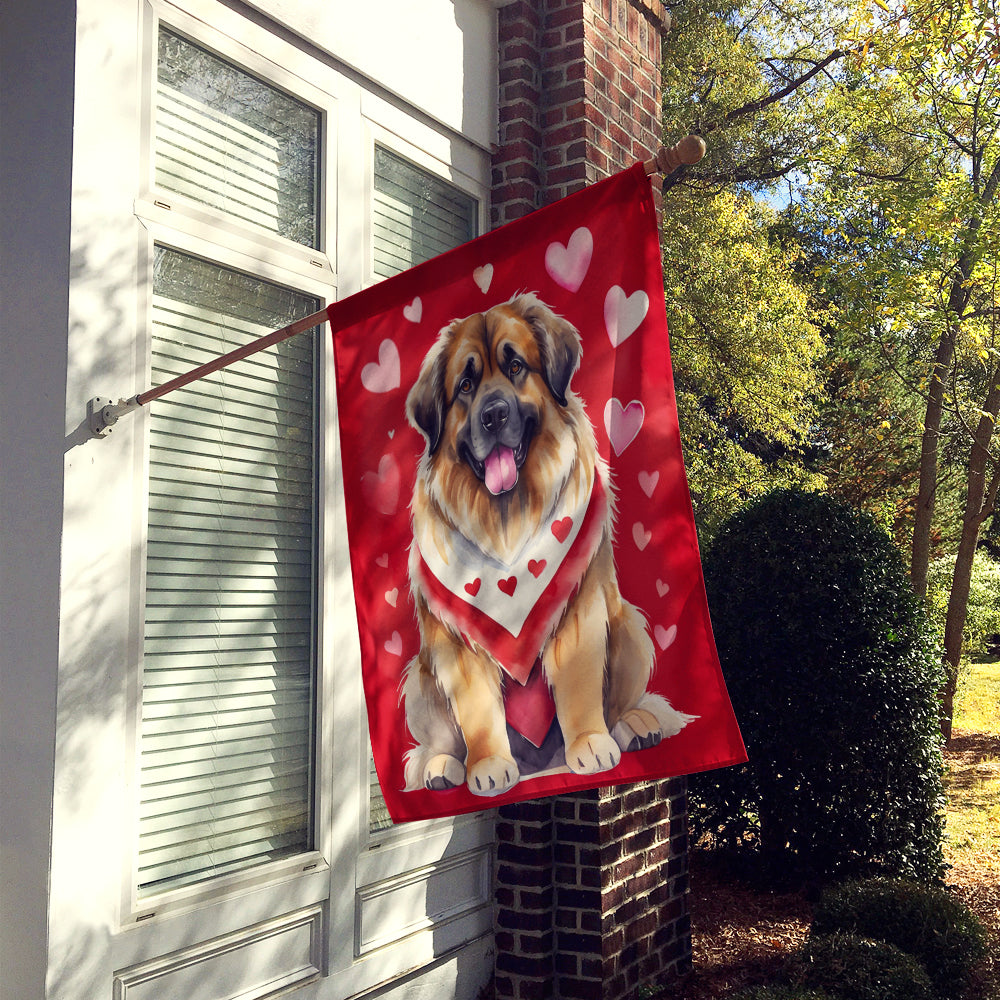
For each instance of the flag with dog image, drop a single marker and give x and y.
(530, 604)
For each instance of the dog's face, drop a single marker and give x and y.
(493, 402)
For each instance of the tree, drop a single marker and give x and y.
(747, 352)
(914, 188)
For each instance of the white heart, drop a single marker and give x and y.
(383, 560)
(665, 636)
(640, 535)
(623, 423)
(483, 277)
(392, 434)
(662, 588)
(567, 265)
(648, 481)
(395, 644)
(391, 596)
(623, 313)
(382, 375)
(414, 310)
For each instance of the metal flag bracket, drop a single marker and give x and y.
(103, 413)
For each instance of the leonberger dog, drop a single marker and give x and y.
(508, 445)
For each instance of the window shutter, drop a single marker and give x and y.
(416, 216)
(228, 656)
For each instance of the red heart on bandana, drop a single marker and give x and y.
(561, 528)
(508, 586)
(536, 567)
(473, 588)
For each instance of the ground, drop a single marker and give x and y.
(741, 935)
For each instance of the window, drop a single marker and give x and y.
(251, 806)
(229, 646)
(227, 140)
(228, 678)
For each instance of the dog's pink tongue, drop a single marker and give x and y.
(501, 471)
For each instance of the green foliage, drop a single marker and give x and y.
(833, 674)
(926, 922)
(983, 612)
(746, 355)
(857, 968)
(782, 993)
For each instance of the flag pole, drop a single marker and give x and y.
(103, 413)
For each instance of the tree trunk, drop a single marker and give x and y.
(980, 499)
(920, 553)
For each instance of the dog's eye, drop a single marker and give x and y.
(516, 367)
(465, 386)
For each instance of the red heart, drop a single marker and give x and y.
(473, 588)
(561, 528)
(508, 586)
(536, 567)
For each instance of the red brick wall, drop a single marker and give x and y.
(579, 96)
(591, 889)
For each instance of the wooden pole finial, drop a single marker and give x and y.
(668, 158)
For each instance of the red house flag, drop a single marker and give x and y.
(529, 594)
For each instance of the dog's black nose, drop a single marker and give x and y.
(495, 415)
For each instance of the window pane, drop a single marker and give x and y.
(228, 140)
(228, 659)
(416, 216)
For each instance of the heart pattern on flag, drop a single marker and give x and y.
(394, 644)
(536, 567)
(391, 596)
(641, 535)
(561, 528)
(483, 277)
(381, 488)
(624, 313)
(383, 560)
(508, 586)
(567, 265)
(623, 423)
(414, 311)
(662, 588)
(664, 636)
(382, 375)
(647, 482)
(472, 589)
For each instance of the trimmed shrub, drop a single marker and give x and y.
(833, 672)
(782, 993)
(856, 968)
(925, 922)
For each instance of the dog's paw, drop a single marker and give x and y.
(443, 772)
(592, 752)
(637, 729)
(492, 775)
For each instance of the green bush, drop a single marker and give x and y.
(856, 968)
(782, 993)
(925, 922)
(833, 673)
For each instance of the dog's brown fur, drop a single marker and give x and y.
(599, 659)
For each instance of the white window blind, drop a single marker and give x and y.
(416, 216)
(228, 659)
(230, 141)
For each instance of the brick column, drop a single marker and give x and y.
(591, 889)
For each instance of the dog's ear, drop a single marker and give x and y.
(558, 341)
(425, 404)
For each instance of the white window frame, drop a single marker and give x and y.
(350, 873)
